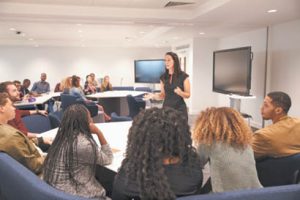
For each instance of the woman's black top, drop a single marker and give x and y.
(182, 182)
(172, 99)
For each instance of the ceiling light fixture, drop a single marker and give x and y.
(79, 31)
(272, 11)
(201, 33)
(12, 29)
(30, 39)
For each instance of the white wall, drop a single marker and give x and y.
(17, 63)
(257, 40)
(285, 62)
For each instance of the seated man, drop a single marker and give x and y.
(282, 138)
(13, 142)
(41, 86)
(17, 122)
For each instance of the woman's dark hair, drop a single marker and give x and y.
(157, 134)
(177, 69)
(75, 81)
(75, 121)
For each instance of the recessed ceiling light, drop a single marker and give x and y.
(12, 29)
(30, 39)
(78, 24)
(272, 11)
(175, 38)
(23, 34)
(142, 32)
(201, 33)
(79, 31)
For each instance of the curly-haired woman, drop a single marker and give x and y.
(160, 162)
(224, 139)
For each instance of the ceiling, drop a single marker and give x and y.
(134, 23)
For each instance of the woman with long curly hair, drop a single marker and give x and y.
(72, 158)
(223, 139)
(160, 162)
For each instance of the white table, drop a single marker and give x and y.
(116, 135)
(115, 101)
(38, 100)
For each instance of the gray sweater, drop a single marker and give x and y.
(230, 168)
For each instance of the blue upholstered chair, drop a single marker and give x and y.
(55, 118)
(279, 171)
(17, 182)
(289, 192)
(68, 99)
(134, 105)
(130, 88)
(143, 89)
(37, 123)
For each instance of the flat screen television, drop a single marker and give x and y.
(232, 71)
(148, 71)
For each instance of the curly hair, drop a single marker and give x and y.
(75, 121)
(222, 125)
(157, 134)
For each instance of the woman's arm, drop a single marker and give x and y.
(186, 91)
(157, 96)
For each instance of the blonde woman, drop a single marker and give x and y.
(223, 139)
(106, 85)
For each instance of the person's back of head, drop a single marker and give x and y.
(156, 134)
(75, 121)
(281, 99)
(224, 125)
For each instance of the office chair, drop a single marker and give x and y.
(279, 171)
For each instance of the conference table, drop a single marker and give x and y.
(37, 100)
(116, 135)
(115, 101)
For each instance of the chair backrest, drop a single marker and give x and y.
(67, 100)
(55, 118)
(134, 106)
(130, 88)
(17, 182)
(278, 171)
(116, 118)
(144, 89)
(289, 192)
(37, 123)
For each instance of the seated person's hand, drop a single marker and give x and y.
(48, 140)
(42, 112)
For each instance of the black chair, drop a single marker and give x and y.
(17, 182)
(279, 171)
(68, 99)
(134, 105)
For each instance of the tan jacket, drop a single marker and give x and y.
(18, 146)
(278, 140)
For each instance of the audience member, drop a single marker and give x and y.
(282, 138)
(77, 91)
(106, 85)
(13, 142)
(24, 88)
(17, 122)
(89, 88)
(174, 85)
(41, 86)
(17, 84)
(66, 85)
(94, 80)
(223, 139)
(160, 162)
(71, 161)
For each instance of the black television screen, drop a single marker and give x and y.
(232, 71)
(148, 71)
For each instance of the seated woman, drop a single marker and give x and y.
(76, 90)
(106, 85)
(89, 88)
(160, 162)
(71, 161)
(224, 140)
